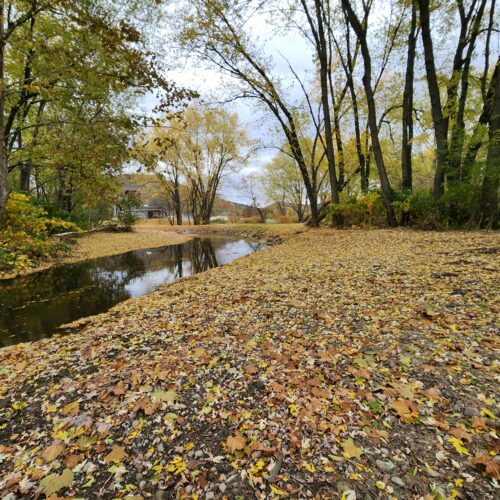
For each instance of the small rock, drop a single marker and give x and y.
(496, 459)
(138, 477)
(397, 480)
(222, 487)
(385, 465)
(188, 489)
(384, 451)
(191, 454)
(198, 453)
(210, 495)
(471, 412)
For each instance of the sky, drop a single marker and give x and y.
(260, 124)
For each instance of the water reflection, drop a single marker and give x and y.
(32, 307)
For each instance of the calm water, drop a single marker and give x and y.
(32, 307)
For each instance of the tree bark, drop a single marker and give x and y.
(440, 123)
(4, 188)
(407, 122)
(372, 113)
(489, 188)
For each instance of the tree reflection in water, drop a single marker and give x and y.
(32, 307)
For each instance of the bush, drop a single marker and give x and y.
(364, 210)
(417, 209)
(285, 219)
(24, 238)
(126, 203)
(254, 219)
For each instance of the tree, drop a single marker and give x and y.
(284, 185)
(215, 31)
(250, 187)
(361, 33)
(202, 145)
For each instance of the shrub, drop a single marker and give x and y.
(285, 219)
(254, 219)
(364, 210)
(126, 203)
(418, 209)
(24, 238)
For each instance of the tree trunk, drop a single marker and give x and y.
(440, 123)
(177, 203)
(4, 188)
(324, 69)
(489, 188)
(372, 113)
(407, 123)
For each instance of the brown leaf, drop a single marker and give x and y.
(72, 460)
(71, 409)
(53, 451)
(461, 434)
(491, 468)
(117, 454)
(406, 409)
(119, 388)
(237, 442)
(251, 370)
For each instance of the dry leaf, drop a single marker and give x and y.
(237, 442)
(53, 451)
(116, 454)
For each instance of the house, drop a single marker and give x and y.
(150, 212)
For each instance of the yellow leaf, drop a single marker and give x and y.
(53, 482)
(458, 445)
(351, 450)
(380, 485)
(278, 491)
(488, 413)
(309, 467)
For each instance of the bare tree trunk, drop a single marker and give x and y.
(4, 188)
(489, 189)
(372, 113)
(407, 122)
(177, 202)
(440, 123)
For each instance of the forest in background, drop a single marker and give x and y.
(396, 125)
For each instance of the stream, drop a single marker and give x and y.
(34, 306)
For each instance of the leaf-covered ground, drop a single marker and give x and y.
(354, 364)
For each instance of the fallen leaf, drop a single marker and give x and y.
(491, 468)
(237, 442)
(169, 396)
(54, 482)
(116, 454)
(458, 445)
(53, 451)
(351, 450)
(406, 409)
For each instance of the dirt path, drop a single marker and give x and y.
(337, 363)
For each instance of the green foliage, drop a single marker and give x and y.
(126, 203)
(25, 235)
(418, 209)
(365, 210)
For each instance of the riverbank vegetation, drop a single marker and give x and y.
(336, 364)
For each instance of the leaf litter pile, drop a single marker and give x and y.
(339, 364)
